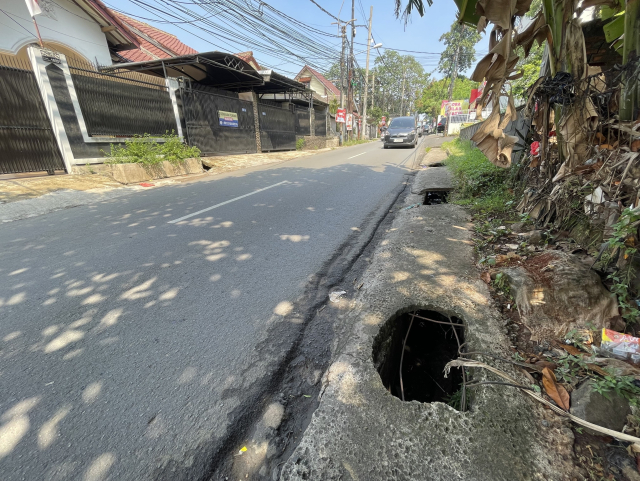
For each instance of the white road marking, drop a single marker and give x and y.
(356, 155)
(227, 202)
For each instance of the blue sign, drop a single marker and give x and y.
(227, 119)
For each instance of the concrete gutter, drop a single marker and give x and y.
(361, 432)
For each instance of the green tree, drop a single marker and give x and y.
(459, 52)
(399, 82)
(333, 106)
(433, 94)
(374, 115)
(530, 68)
(357, 81)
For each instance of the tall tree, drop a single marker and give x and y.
(433, 94)
(459, 52)
(399, 81)
(530, 67)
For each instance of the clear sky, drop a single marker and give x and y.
(420, 35)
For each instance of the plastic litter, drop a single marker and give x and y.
(620, 346)
(336, 295)
(146, 184)
(411, 207)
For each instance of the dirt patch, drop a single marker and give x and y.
(538, 268)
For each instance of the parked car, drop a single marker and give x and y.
(420, 130)
(402, 131)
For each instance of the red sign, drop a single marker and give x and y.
(340, 115)
(349, 121)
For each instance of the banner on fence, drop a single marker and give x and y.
(228, 119)
(349, 121)
(340, 115)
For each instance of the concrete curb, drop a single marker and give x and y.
(136, 173)
(361, 432)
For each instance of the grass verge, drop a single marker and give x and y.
(479, 184)
(348, 143)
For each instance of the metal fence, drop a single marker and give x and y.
(205, 113)
(122, 103)
(27, 143)
(303, 124)
(320, 123)
(277, 128)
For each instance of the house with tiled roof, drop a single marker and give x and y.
(317, 82)
(154, 43)
(249, 58)
(82, 29)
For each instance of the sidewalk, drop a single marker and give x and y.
(33, 196)
(362, 431)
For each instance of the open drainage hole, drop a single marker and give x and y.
(429, 347)
(435, 197)
(437, 164)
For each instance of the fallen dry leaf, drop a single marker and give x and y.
(554, 390)
(486, 277)
(573, 350)
(598, 369)
(546, 364)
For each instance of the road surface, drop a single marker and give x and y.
(137, 332)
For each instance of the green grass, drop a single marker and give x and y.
(347, 143)
(479, 184)
(146, 151)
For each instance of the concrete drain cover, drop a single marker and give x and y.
(435, 197)
(429, 343)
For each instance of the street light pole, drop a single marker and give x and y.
(366, 74)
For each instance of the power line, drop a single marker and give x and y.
(320, 7)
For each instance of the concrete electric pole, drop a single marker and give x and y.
(366, 76)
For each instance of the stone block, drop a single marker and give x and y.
(193, 166)
(609, 412)
(130, 173)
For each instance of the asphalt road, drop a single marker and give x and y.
(130, 343)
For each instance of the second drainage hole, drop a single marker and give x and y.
(435, 197)
(428, 348)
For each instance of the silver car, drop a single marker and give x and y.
(402, 132)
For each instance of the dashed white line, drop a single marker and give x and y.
(356, 155)
(226, 202)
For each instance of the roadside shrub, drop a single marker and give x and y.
(299, 144)
(175, 150)
(143, 149)
(479, 184)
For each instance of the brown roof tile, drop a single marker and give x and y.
(321, 78)
(159, 44)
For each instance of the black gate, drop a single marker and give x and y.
(277, 128)
(122, 104)
(320, 123)
(302, 121)
(27, 143)
(218, 123)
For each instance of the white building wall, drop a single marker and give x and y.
(61, 22)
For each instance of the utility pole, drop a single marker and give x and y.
(404, 71)
(366, 74)
(344, 38)
(373, 96)
(454, 74)
(353, 37)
